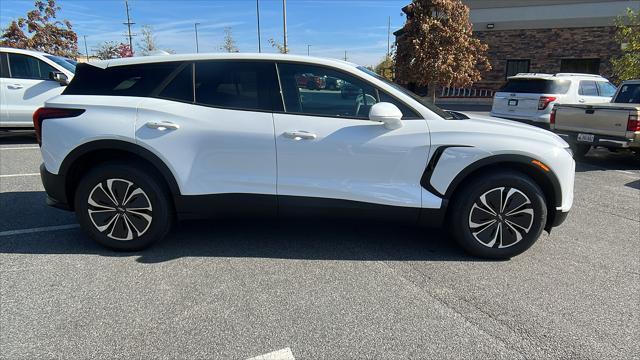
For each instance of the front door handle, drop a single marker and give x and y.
(300, 135)
(164, 125)
(581, 100)
(15, 86)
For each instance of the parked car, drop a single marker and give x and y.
(310, 81)
(613, 125)
(348, 91)
(531, 97)
(132, 144)
(27, 80)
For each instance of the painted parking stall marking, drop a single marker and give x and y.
(282, 354)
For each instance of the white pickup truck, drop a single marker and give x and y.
(612, 125)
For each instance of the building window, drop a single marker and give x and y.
(586, 66)
(517, 66)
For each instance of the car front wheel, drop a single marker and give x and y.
(122, 207)
(498, 216)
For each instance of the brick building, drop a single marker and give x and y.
(546, 36)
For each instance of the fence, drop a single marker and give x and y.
(455, 92)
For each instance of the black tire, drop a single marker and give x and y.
(520, 230)
(579, 150)
(143, 215)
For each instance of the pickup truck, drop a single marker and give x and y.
(613, 125)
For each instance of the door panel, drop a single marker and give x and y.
(210, 150)
(351, 159)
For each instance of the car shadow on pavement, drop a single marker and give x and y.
(314, 239)
(602, 159)
(634, 184)
(18, 137)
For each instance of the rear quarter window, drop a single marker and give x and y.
(130, 80)
(536, 86)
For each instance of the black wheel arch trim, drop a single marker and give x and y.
(97, 145)
(425, 181)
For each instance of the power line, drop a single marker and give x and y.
(129, 23)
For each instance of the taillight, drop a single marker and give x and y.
(545, 101)
(552, 118)
(51, 113)
(633, 124)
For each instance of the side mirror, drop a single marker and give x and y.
(386, 113)
(59, 77)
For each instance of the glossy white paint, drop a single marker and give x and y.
(214, 150)
(211, 150)
(21, 97)
(352, 159)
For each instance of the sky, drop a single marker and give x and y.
(329, 26)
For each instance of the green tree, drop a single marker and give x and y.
(627, 66)
(40, 31)
(386, 68)
(437, 47)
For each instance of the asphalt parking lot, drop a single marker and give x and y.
(317, 289)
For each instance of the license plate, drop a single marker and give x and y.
(586, 137)
(513, 102)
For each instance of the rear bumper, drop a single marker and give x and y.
(600, 140)
(55, 187)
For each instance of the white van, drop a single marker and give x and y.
(27, 80)
(531, 96)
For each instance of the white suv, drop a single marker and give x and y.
(133, 144)
(531, 97)
(27, 80)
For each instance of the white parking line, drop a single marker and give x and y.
(20, 148)
(283, 354)
(18, 175)
(38, 229)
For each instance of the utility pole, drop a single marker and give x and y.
(345, 55)
(389, 38)
(308, 46)
(195, 25)
(284, 21)
(258, 16)
(86, 49)
(129, 23)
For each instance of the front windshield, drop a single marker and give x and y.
(443, 114)
(63, 62)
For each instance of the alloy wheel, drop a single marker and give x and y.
(501, 217)
(120, 209)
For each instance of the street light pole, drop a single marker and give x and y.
(389, 38)
(258, 15)
(308, 46)
(195, 25)
(284, 22)
(86, 49)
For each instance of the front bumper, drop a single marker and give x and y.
(556, 218)
(55, 186)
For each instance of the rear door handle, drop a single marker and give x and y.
(15, 86)
(164, 125)
(581, 100)
(300, 135)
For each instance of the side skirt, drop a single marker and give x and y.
(268, 206)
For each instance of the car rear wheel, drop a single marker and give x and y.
(498, 216)
(122, 207)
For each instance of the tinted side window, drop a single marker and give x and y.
(588, 88)
(243, 85)
(629, 94)
(28, 67)
(606, 88)
(128, 80)
(4, 67)
(180, 85)
(407, 113)
(316, 90)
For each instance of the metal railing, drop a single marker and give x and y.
(456, 92)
